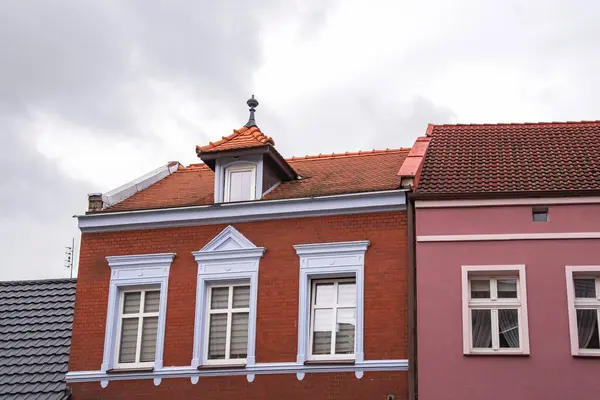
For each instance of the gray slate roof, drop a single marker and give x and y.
(35, 335)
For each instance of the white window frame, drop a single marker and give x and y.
(229, 311)
(228, 258)
(497, 272)
(323, 261)
(134, 272)
(313, 307)
(240, 167)
(140, 315)
(221, 165)
(581, 271)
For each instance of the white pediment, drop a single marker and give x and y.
(228, 245)
(229, 239)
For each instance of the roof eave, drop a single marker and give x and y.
(210, 157)
(502, 195)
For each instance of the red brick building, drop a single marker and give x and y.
(246, 276)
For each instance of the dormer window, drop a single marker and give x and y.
(246, 164)
(240, 183)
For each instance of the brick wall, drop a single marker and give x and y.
(385, 326)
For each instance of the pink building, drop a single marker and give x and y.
(507, 259)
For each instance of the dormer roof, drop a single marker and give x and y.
(243, 138)
(245, 142)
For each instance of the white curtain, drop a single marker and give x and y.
(482, 328)
(586, 324)
(149, 330)
(508, 322)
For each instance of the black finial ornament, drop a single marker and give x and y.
(252, 103)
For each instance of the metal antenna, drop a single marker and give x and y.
(70, 256)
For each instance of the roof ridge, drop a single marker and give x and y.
(359, 153)
(582, 122)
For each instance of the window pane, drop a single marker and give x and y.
(347, 293)
(585, 288)
(241, 296)
(131, 303)
(507, 288)
(217, 336)
(322, 325)
(480, 289)
(149, 329)
(587, 329)
(219, 298)
(508, 324)
(344, 336)
(325, 293)
(240, 185)
(481, 328)
(540, 216)
(129, 332)
(239, 335)
(151, 301)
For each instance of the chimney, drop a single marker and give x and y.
(95, 202)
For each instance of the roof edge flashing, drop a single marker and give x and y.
(127, 190)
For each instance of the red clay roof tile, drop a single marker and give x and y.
(505, 158)
(243, 138)
(323, 175)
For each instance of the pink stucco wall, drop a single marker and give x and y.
(506, 219)
(549, 372)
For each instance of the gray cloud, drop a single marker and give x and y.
(80, 62)
(78, 59)
(36, 207)
(350, 120)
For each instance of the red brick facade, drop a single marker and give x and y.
(385, 302)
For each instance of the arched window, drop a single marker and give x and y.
(240, 182)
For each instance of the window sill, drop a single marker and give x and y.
(586, 355)
(330, 362)
(129, 370)
(221, 366)
(497, 353)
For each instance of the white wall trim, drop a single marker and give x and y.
(325, 260)
(127, 190)
(524, 318)
(229, 257)
(508, 236)
(506, 202)
(269, 190)
(260, 210)
(570, 271)
(250, 371)
(128, 272)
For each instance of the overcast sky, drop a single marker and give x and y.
(96, 93)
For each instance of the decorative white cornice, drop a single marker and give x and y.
(356, 203)
(139, 260)
(333, 247)
(250, 371)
